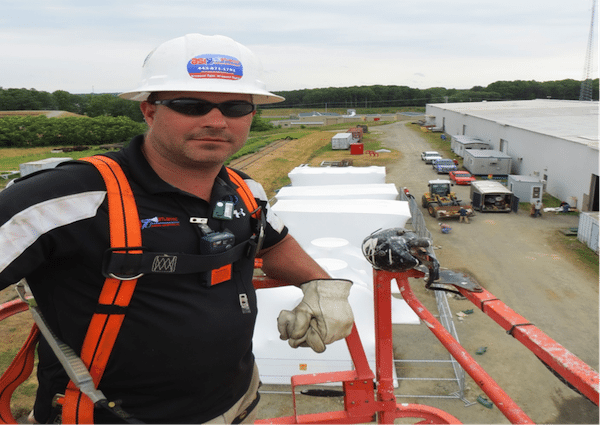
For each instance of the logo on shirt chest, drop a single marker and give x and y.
(148, 223)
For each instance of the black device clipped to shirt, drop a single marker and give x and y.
(213, 242)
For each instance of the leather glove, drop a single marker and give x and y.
(322, 317)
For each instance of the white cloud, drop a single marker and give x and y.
(76, 45)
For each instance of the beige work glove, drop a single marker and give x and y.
(322, 317)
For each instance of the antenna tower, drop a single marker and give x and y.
(586, 85)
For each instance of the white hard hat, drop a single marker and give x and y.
(201, 63)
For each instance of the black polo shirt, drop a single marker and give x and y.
(184, 352)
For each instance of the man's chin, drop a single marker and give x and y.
(208, 158)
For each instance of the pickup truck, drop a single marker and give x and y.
(429, 156)
(443, 165)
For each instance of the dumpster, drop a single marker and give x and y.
(356, 148)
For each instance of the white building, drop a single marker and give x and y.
(554, 140)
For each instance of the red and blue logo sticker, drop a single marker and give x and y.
(220, 67)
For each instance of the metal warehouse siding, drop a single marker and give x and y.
(587, 231)
(553, 140)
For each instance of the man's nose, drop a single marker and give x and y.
(214, 118)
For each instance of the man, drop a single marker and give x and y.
(463, 215)
(537, 208)
(184, 351)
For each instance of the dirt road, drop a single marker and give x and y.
(513, 257)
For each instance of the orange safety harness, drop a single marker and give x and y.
(125, 237)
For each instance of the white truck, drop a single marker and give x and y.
(429, 156)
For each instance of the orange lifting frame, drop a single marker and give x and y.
(362, 403)
(558, 358)
(365, 402)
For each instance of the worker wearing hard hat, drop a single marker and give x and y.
(183, 353)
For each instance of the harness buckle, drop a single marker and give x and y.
(122, 263)
(58, 400)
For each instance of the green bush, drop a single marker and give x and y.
(34, 131)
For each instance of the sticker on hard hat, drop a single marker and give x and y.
(215, 66)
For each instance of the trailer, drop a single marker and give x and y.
(587, 231)
(459, 144)
(483, 162)
(492, 196)
(341, 141)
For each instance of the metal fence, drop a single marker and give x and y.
(418, 225)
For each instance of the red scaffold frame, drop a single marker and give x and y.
(370, 396)
(365, 402)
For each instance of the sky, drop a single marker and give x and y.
(83, 46)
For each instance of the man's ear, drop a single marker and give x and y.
(148, 110)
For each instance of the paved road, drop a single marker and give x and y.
(513, 257)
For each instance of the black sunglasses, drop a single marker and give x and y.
(197, 107)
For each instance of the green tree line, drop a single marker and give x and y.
(96, 105)
(403, 96)
(91, 105)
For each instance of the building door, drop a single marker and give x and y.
(593, 205)
(477, 201)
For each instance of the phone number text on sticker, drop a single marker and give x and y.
(215, 66)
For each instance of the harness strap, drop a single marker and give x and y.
(245, 193)
(18, 371)
(250, 202)
(126, 265)
(125, 232)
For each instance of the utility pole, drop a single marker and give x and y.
(586, 85)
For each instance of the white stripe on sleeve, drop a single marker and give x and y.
(23, 229)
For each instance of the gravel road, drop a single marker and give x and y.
(513, 257)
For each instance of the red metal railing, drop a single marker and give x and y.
(557, 357)
(363, 403)
(366, 402)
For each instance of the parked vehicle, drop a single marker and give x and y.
(429, 156)
(444, 165)
(493, 196)
(461, 177)
(441, 202)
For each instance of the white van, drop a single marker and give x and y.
(429, 156)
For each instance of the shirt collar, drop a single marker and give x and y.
(145, 176)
